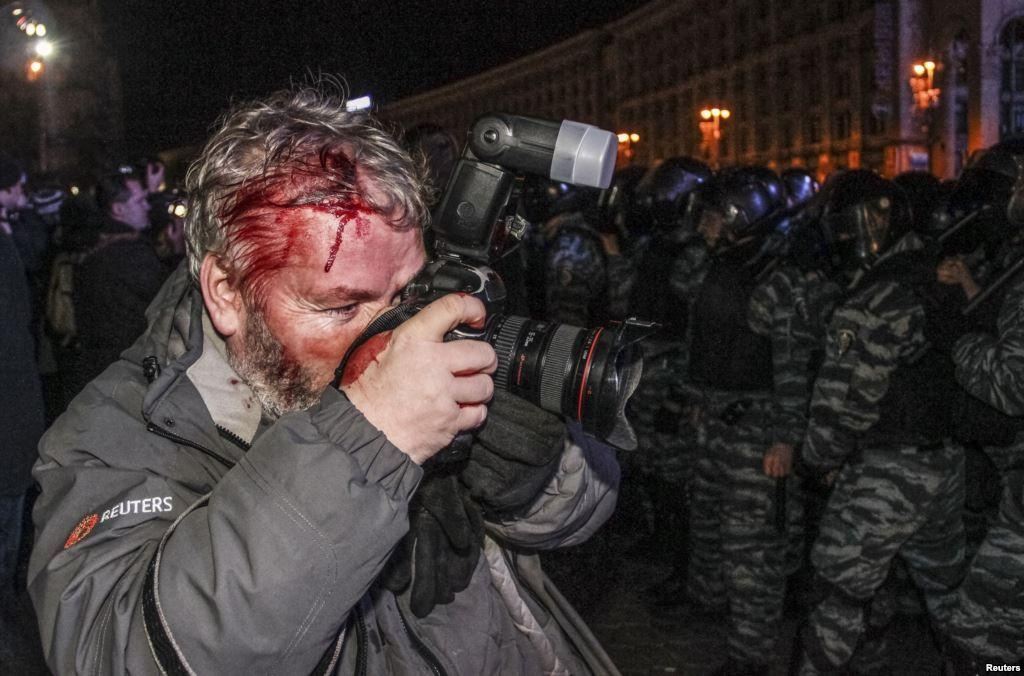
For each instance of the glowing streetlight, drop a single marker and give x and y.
(922, 85)
(626, 141)
(40, 30)
(36, 66)
(44, 48)
(30, 29)
(711, 130)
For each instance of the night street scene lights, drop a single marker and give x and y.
(922, 85)
(711, 132)
(626, 142)
(26, 18)
(925, 99)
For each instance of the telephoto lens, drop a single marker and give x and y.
(587, 375)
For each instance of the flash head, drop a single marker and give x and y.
(500, 148)
(566, 151)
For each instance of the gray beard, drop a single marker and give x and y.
(280, 383)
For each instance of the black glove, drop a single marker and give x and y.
(514, 456)
(445, 534)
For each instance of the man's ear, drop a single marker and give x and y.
(223, 301)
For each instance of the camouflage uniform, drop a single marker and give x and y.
(790, 308)
(730, 377)
(584, 286)
(890, 497)
(987, 618)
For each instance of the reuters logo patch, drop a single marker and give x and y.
(83, 528)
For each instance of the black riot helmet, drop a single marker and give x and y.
(731, 210)
(768, 179)
(800, 185)
(975, 213)
(863, 215)
(924, 191)
(616, 209)
(663, 192)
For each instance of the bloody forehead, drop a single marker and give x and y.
(267, 217)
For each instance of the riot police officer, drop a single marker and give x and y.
(879, 424)
(730, 367)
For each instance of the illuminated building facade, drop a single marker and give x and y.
(823, 84)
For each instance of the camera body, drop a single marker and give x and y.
(584, 374)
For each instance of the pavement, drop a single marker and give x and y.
(605, 584)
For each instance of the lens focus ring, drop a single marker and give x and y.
(557, 362)
(505, 347)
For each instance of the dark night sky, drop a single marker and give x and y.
(182, 61)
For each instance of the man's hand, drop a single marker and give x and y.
(419, 390)
(155, 173)
(954, 272)
(610, 243)
(778, 460)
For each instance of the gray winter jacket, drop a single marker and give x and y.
(167, 543)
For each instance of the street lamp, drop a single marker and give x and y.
(922, 85)
(33, 52)
(925, 98)
(711, 131)
(626, 140)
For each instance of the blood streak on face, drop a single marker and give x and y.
(265, 222)
(334, 247)
(363, 356)
(346, 211)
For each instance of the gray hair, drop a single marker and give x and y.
(297, 147)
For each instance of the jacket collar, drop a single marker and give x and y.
(184, 398)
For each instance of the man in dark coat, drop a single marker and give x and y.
(116, 280)
(21, 406)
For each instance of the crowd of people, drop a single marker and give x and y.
(832, 396)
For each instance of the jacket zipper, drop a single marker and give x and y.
(361, 642)
(161, 432)
(234, 438)
(419, 646)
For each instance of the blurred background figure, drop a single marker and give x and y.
(21, 399)
(116, 278)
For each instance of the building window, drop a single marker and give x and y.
(787, 135)
(841, 125)
(1012, 96)
(764, 138)
(813, 129)
(841, 85)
